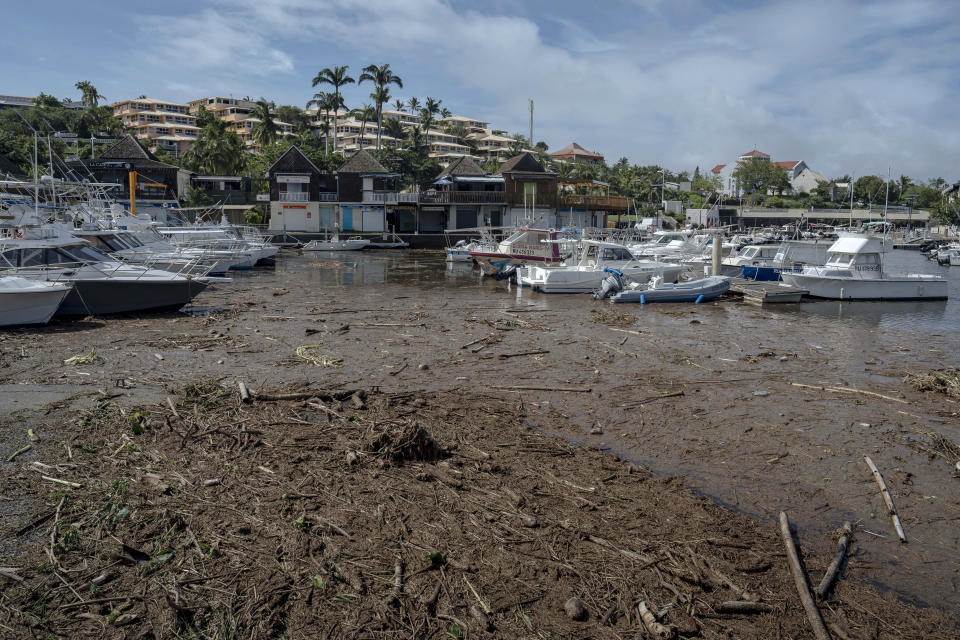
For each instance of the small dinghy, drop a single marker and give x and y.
(656, 290)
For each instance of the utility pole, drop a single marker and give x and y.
(531, 123)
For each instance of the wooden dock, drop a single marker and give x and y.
(765, 292)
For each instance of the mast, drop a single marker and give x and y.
(36, 179)
(53, 186)
(886, 201)
(851, 203)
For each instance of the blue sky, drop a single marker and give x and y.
(847, 86)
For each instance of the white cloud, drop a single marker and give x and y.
(848, 87)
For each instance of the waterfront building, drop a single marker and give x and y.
(366, 191)
(159, 185)
(27, 102)
(462, 196)
(169, 124)
(302, 197)
(573, 152)
(236, 113)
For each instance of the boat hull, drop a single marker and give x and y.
(832, 288)
(31, 306)
(458, 255)
(338, 245)
(100, 297)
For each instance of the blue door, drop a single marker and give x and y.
(347, 218)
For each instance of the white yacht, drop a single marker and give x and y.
(336, 244)
(24, 301)
(587, 273)
(854, 271)
(100, 284)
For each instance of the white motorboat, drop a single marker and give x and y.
(586, 275)
(336, 244)
(460, 252)
(24, 301)
(524, 246)
(388, 241)
(854, 271)
(100, 284)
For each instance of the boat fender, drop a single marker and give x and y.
(699, 299)
(643, 299)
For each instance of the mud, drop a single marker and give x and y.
(740, 432)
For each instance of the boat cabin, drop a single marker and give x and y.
(755, 254)
(601, 253)
(855, 257)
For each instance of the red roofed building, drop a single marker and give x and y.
(802, 178)
(575, 153)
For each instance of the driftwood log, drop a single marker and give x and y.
(744, 606)
(834, 569)
(654, 628)
(800, 579)
(887, 499)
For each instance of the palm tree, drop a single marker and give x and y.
(323, 102)
(336, 77)
(393, 128)
(400, 105)
(414, 105)
(91, 97)
(445, 113)
(430, 109)
(265, 131)
(460, 133)
(381, 77)
(364, 114)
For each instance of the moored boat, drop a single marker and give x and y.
(854, 271)
(656, 290)
(25, 301)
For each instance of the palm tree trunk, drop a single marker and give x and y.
(335, 109)
(379, 124)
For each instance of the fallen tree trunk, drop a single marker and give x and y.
(834, 569)
(800, 579)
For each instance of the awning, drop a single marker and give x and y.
(483, 179)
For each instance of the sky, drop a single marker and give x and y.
(850, 87)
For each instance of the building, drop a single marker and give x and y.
(159, 186)
(802, 178)
(302, 197)
(573, 152)
(236, 113)
(366, 190)
(26, 102)
(461, 197)
(169, 124)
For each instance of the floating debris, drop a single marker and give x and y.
(946, 381)
(305, 352)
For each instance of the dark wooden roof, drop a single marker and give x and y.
(574, 149)
(362, 162)
(293, 160)
(129, 150)
(523, 163)
(462, 166)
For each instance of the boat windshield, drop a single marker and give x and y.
(85, 254)
(749, 252)
(615, 253)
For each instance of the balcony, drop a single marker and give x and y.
(463, 197)
(294, 196)
(327, 196)
(599, 203)
(380, 197)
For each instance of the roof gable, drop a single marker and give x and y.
(755, 154)
(362, 162)
(574, 149)
(293, 160)
(787, 164)
(127, 149)
(462, 166)
(717, 168)
(525, 162)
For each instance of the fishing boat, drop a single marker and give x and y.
(355, 243)
(854, 271)
(24, 301)
(523, 246)
(588, 272)
(656, 290)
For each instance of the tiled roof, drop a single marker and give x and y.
(127, 149)
(786, 164)
(717, 168)
(574, 149)
(362, 162)
(755, 154)
(291, 158)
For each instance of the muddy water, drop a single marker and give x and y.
(784, 448)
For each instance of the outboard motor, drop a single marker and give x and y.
(611, 285)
